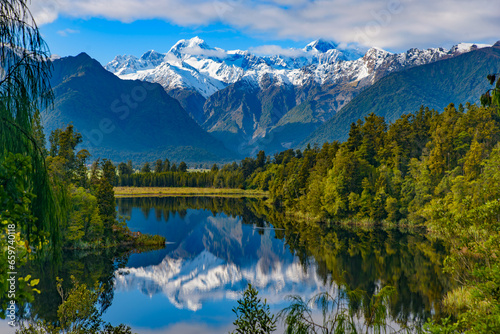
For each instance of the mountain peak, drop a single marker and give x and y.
(320, 45)
(375, 52)
(466, 47)
(152, 55)
(194, 42)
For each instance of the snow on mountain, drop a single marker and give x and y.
(194, 65)
(187, 283)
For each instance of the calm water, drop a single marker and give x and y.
(216, 246)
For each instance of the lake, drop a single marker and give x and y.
(216, 246)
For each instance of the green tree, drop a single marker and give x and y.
(79, 313)
(159, 166)
(124, 169)
(38, 134)
(69, 165)
(183, 167)
(146, 168)
(166, 165)
(106, 197)
(261, 159)
(15, 214)
(492, 96)
(253, 315)
(24, 89)
(85, 222)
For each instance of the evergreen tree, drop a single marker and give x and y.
(106, 197)
(166, 165)
(159, 166)
(253, 315)
(146, 168)
(261, 159)
(183, 167)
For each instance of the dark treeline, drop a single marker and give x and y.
(165, 174)
(385, 172)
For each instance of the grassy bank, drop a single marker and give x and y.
(184, 191)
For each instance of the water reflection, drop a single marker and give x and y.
(215, 260)
(216, 246)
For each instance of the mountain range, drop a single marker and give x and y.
(458, 80)
(202, 104)
(253, 102)
(125, 119)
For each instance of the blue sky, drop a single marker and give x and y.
(106, 28)
(104, 39)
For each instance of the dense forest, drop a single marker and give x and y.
(430, 169)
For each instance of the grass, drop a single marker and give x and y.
(185, 191)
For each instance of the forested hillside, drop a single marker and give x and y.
(124, 119)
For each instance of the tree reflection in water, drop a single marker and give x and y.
(359, 258)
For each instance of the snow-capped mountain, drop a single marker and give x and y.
(216, 259)
(257, 102)
(193, 64)
(188, 283)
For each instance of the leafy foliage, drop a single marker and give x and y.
(78, 314)
(24, 89)
(253, 315)
(337, 314)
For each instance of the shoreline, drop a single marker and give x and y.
(121, 192)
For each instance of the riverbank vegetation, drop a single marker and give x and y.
(89, 198)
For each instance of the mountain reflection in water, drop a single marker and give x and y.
(215, 261)
(218, 245)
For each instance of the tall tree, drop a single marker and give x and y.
(492, 96)
(106, 196)
(24, 89)
(146, 168)
(166, 166)
(183, 167)
(158, 166)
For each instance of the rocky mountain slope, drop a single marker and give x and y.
(253, 102)
(457, 80)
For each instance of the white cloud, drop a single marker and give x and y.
(67, 32)
(267, 50)
(383, 23)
